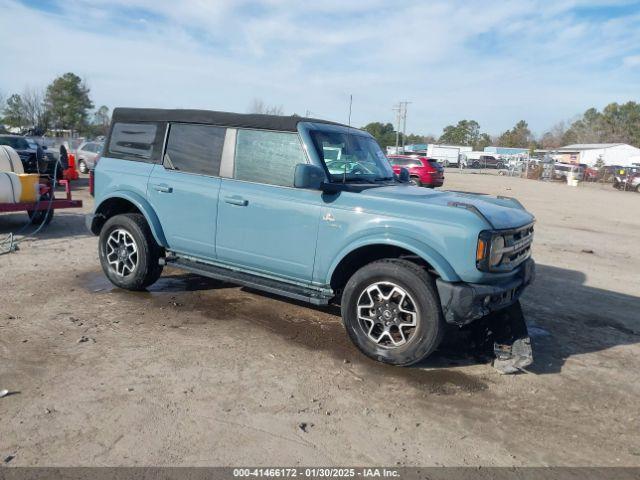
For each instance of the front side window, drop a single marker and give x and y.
(195, 148)
(267, 157)
(359, 157)
(133, 140)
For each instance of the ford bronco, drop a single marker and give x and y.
(310, 210)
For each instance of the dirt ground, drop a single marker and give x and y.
(196, 372)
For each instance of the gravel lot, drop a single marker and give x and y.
(196, 372)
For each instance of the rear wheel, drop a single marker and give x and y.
(416, 181)
(129, 254)
(82, 166)
(391, 311)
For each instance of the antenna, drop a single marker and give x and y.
(344, 170)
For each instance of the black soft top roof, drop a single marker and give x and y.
(226, 119)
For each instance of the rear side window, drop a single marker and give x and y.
(267, 157)
(195, 148)
(135, 141)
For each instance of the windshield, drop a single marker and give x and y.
(19, 143)
(351, 156)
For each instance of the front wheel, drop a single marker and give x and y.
(129, 254)
(82, 166)
(391, 311)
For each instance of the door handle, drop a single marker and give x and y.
(241, 202)
(163, 188)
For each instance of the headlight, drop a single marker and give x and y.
(489, 252)
(497, 244)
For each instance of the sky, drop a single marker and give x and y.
(496, 62)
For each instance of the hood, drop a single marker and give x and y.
(501, 212)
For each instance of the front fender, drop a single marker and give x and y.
(424, 251)
(144, 207)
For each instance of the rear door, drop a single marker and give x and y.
(264, 223)
(184, 188)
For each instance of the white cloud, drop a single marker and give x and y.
(632, 61)
(497, 62)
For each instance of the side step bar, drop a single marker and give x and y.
(297, 292)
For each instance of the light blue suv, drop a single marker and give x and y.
(310, 210)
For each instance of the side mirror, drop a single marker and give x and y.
(403, 176)
(308, 176)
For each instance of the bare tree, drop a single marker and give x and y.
(35, 110)
(555, 137)
(258, 106)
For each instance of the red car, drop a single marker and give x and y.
(425, 172)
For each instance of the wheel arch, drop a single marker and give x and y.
(127, 202)
(357, 255)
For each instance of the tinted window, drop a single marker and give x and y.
(194, 148)
(18, 143)
(267, 157)
(133, 140)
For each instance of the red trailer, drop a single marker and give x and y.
(42, 210)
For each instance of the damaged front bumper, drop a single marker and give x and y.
(462, 303)
(500, 325)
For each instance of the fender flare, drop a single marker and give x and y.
(144, 207)
(421, 249)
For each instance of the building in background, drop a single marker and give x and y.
(589, 154)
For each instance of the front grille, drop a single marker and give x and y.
(517, 246)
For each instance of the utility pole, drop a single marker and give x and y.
(398, 109)
(404, 123)
(401, 118)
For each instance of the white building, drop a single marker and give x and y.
(589, 153)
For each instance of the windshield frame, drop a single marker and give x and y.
(309, 132)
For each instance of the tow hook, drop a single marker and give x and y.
(507, 330)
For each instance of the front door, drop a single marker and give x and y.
(184, 189)
(264, 224)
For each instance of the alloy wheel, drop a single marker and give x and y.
(387, 314)
(121, 252)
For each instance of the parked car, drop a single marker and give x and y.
(482, 160)
(86, 155)
(31, 154)
(562, 170)
(424, 172)
(250, 199)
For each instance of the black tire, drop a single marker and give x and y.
(40, 217)
(475, 164)
(82, 166)
(147, 268)
(416, 181)
(419, 285)
(499, 165)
